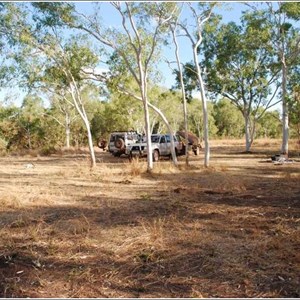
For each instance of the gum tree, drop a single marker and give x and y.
(240, 67)
(41, 35)
(286, 40)
(200, 14)
(179, 72)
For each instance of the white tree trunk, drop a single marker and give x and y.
(185, 114)
(285, 113)
(148, 136)
(90, 141)
(67, 138)
(247, 133)
(143, 89)
(75, 93)
(68, 131)
(204, 108)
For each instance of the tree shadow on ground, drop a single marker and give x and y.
(174, 246)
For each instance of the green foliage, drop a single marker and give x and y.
(293, 98)
(238, 60)
(8, 71)
(23, 127)
(294, 111)
(8, 124)
(54, 136)
(269, 125)
(149, 14)
(170, 103)
(228, 119)
(292, 9)
(54, 13)
(121, 113)
(30, 120)
(79, 57)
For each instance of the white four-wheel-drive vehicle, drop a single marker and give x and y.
(119, 141)
(161, 146)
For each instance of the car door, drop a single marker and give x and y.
(168, 144)
(163, 145)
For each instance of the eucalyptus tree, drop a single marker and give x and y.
(69, 60)
(41, 33)
(281, 17)
(240, 65)
(200, 14)
(179, 71)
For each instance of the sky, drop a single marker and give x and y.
(231, 12)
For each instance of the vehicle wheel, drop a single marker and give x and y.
(155, 156)
(102, 144)
(119, 143)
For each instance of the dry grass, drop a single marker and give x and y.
(231, 230)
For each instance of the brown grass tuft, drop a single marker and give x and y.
(10, 201)
(165, 167)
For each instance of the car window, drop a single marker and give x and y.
(162, 139)
(168, 138)
(154, 139)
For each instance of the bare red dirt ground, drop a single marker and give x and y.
(231, 230)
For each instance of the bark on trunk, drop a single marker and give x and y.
(204, 109)
(80, 108)
(148, 136)
(248, 134)
(90, 142)
(143, 90)
(185, 115)
(68, 131)
(285, 113)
